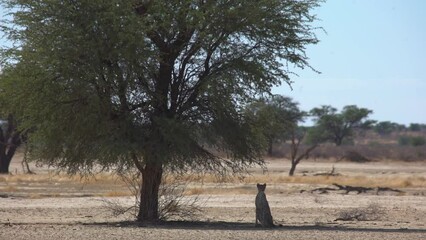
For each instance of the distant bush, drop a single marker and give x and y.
(413, 141)
(415, 127)
(404, 140)
(374, 144)
(385, 128)
(418, 141)
(355, 156)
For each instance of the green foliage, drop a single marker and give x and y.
(404, 140)
(386, 127)
(275, 117)
(415, 127)
(339, 127)
(413, 141)
(122, 82)
(418, 141)
(316, 135)
(401, 127)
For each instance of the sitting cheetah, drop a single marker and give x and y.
(263, 212)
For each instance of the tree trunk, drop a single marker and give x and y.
(151, 180)
(6, 158)
(270, 147)
(292, 169)
(7, 154)
(338, 141)
(4, 165)
(296, 160)
(10, 140)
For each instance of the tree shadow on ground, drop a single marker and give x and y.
(220, 225)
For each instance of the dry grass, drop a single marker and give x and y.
(364, 181)
(111, 185)
(194, 191)
(103, 178)
(40, 196)
(273, 178)
(220, 190)
(116, 194)
(9, 189)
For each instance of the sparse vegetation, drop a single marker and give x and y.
(195, 184)
(372, 212)
(173, 200)
(414, 141)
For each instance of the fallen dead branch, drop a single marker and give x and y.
(331, 173)
(348, 189)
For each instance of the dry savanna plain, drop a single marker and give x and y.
(375, 200)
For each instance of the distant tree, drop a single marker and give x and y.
(298, 135)
(386, 127)
(278, 119)
(415, 127)
(401, 127)
(275, 117)
(338, 127)
(148, 84)
(303, 140)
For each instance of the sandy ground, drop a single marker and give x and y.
(225, 216)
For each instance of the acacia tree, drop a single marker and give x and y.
(386, 127)
(297, 135)
(337, 127)
(275, 117)
(148, 84)
(278, 119)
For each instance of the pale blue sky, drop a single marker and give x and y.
(373, 56)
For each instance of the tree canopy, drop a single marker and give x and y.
(386, 127)
(275, 117)
(337, 127)
(150, 84)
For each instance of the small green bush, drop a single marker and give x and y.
(418, 141)
(404, 140)
(413, 141)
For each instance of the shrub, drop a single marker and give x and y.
(404, 140)
(415, 127)
(173, 204)
(418, 141)
(371, 212)
(413, 141)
